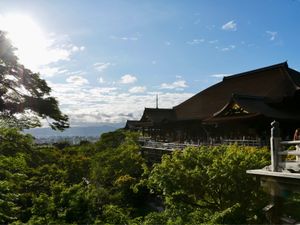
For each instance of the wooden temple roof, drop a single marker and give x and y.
(136, 124)
(274, 83)
(158, 116)
(270, 92)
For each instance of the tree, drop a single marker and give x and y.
(24, 96)
(210, 183)
(117, 166)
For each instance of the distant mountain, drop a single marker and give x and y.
(94, 131)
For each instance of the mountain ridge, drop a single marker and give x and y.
(92, 131)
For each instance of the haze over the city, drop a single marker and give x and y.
(107, 60)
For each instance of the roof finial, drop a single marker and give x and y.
(157, 101)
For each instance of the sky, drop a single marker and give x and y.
(106, 60)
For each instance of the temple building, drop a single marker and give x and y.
(241, 106)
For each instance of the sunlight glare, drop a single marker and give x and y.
(33, 46)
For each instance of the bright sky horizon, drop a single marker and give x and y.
(107, 60)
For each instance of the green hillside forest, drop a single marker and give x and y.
(108, 182)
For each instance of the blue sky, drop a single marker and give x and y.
(106, 60)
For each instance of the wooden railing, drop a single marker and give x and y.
(243, 142)
(166, 146)
(146, 142)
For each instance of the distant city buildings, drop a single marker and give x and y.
(72, 140)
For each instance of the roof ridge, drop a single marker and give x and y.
(283, 64)
(158, 108)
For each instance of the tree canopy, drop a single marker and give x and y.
(209, 185)
(108, 182)
(84, 184)
(24, 96)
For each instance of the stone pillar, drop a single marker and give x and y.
(275, 146)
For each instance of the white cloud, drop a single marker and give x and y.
(196, 41)
(63, 71)
(230, 26)
(48, 71)
(128, 79)
(218, 75)
(125, 38)
(76, 48)
(129, 38)
(228, 48)
(177, 85)
(77, 80)
(103, 90)
(77, 72)
(213, 41)
(137, 89)
(272, 35)
(101, 66)
(91, 105)
(101, 80)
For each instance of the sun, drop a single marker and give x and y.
(27, 36)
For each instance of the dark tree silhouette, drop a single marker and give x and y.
(24, 96)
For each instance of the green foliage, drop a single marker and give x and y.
(292, 205)
(109, 183)
(25, 97)
(82, 184)
(12, 177)
(12, 142)
(117, 167)
(154, 218)
(61, 145)
(115, 215)
(111, 139)
(211, 178)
